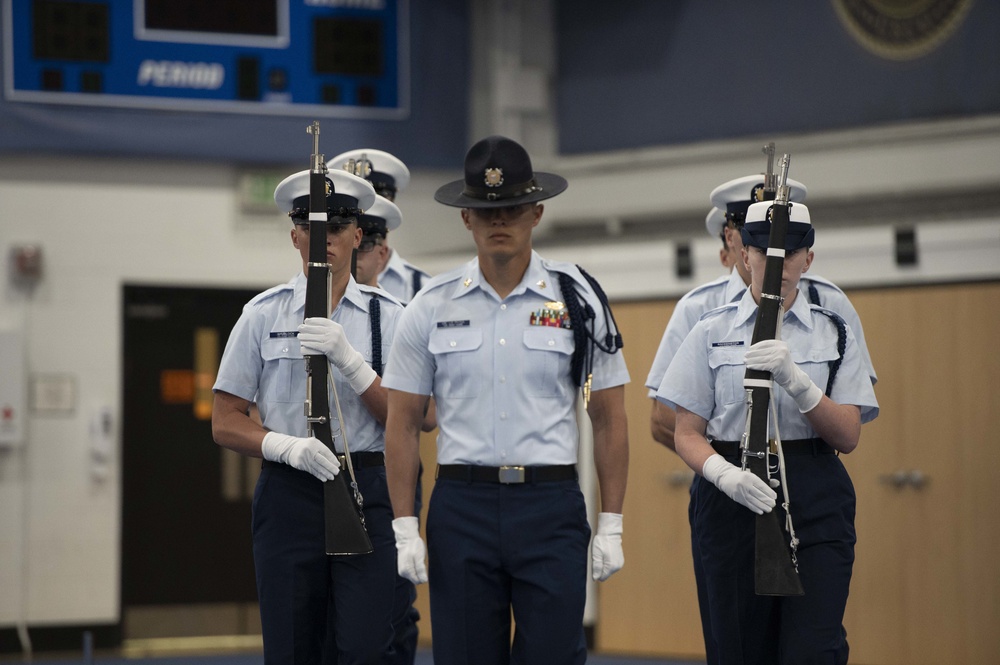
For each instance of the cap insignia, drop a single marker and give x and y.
(494, 177)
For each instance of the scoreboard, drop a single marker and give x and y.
(341, 58)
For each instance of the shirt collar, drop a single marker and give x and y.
(746, 311)
(352, 295)
(536, 278)
(735, 286)
(395, 265)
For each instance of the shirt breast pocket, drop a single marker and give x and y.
(454, 352)
(279, 380)
(727, 363)
(816, 361)
(547, 359)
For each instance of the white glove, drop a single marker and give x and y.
(410, 550)
(608, 555)
(318, 335)
(772, 356)
(309, 454)
(741, 486)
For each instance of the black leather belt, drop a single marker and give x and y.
(506, 475)
(790, 447)
(358, 460)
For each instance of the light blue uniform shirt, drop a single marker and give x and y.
(263, 360)
(501, 383)
(706, 374)
(729, 289)
(397, 277)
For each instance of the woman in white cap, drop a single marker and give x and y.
(309, 601)
(504, 344)
(704, 385)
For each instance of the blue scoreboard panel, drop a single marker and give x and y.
(343, 58)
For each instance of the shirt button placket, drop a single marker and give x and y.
(501, 399)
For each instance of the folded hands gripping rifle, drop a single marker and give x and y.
(344, 520)
(775, 564)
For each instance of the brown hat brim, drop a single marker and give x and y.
(547, 185)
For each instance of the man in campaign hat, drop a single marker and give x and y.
(311, 602)
(389, 176)
(504, 344)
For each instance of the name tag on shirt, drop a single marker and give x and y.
(739, 343)
(287, 333)
(453, 324)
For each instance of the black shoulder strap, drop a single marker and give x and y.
(841, 345)
(582, 318)
(814, 294)
(418, 281)
(375, 316)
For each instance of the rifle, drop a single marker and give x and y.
(775, 565)
(770, 179)
(343, 517)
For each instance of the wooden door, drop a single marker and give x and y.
(187, 564)
(926, 586)
(650, 606)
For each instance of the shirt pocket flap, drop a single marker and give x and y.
(276, 348)
(818, 354)
(547, 338)
(721, 356)
(449, 340)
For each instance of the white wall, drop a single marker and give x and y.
(102, 223)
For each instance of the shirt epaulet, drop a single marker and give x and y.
(712, 313)
(714, 284)
(413, 268)
(380, 292)
(816, 279)
(444, 278)
(270, 293)
(835, 316)
(570, 269)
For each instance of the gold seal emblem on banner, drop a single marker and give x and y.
(901, 29)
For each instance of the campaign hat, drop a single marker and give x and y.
(498, 174)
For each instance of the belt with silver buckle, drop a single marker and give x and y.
(506, 475)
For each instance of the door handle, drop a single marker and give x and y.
(917, 479)
(678, 478)
(896, 480)
(901, 479)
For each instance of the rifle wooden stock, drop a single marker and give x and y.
(775, 573)
(345, 530)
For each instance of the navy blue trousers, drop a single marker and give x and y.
(495, 550)
(404, 615)
(304, 594)
(749, 629)
(699, 578)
